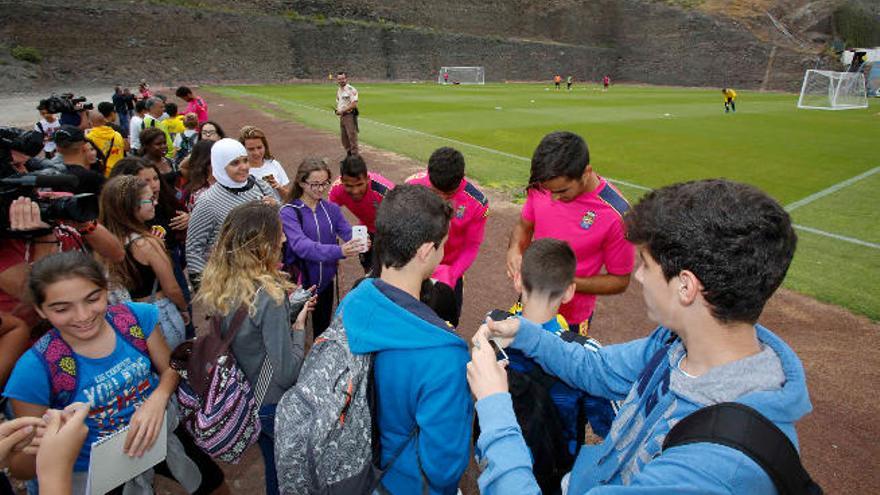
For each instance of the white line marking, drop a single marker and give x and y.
(796, 204)
(455, 141)
(830, 190)
(839, 237)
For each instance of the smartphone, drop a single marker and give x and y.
(269, 178)
(499, 351)
(359, 232)
(498, 315)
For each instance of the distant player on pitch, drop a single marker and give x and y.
(557, 80)
(729, 99)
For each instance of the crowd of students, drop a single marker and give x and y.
(189, 217)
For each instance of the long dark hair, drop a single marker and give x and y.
(167, 201)
(199, 165)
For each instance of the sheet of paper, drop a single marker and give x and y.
(110, 467)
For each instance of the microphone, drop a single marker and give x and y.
(51, 181)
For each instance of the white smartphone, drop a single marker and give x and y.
(359, 232)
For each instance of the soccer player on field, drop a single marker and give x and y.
(470, 208)
(568, 82)
(605, 82)
(361, 191)
(569, 201)
(557, 79)
(729, 99)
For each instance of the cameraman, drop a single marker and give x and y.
(16, 254)
(73, 148)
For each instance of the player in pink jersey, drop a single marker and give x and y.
(361, 191)
(445, 176)
(568, 200)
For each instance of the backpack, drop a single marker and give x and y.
(218, 406)
(742, 428)
(326, 435)
(60, 360)
(541, 426)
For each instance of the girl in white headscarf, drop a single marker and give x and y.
(234, 186)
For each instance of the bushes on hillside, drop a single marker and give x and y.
(27, 54)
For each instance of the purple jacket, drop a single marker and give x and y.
(314, 241)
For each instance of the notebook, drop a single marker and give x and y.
(110, 467)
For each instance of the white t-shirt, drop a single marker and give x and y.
(271, 167)
(48, 130)
(134, 131)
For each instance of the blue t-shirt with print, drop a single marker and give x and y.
(113, 385)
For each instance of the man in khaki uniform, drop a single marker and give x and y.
(346, 108)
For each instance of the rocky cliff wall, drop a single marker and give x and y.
(105, 42)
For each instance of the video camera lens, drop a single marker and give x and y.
(77, 208)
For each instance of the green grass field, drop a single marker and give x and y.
(647, 137)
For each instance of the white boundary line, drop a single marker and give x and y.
(790, 207)
(830, 190)
(455, 141)
(839, 237)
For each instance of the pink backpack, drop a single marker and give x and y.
(218, 406)
(60, 360)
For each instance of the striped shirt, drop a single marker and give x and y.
(209, 213)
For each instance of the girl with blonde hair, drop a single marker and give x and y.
(242, 272)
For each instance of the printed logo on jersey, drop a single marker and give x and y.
(459, 213)
(588, 219)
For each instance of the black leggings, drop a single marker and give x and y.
(323, 312)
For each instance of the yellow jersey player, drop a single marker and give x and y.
(729, 99)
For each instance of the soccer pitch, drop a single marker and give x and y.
(824, 166)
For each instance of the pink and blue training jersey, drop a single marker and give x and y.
(592, 224)
(365, 208)
(470, 209)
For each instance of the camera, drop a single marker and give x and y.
(76, 208)
(65, 103)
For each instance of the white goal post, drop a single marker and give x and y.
(461, 75)
(829, 90)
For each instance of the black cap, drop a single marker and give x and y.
(28, 142)
(68, 134)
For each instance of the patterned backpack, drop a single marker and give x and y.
(326, 435)
(60, 360)
(218, 406)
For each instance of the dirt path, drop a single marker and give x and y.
(840, 351)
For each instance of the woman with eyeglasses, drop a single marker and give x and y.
(127, 204)
(312, 226)
(211, 131)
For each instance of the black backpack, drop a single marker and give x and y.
(541, 426)
(742, 428)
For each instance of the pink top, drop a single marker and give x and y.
(470, 208)
(592, 225)
(365, 209)
(197, 106)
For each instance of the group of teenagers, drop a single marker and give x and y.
(227, 229)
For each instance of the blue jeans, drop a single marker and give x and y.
(124, 120)
(266, 441)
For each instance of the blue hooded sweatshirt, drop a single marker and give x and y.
(420, 371)
(645, 373)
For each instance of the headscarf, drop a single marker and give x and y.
(222, 153)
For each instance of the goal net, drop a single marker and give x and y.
(461, 75)
(829, 90)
